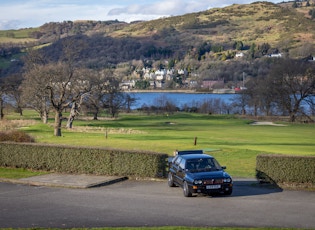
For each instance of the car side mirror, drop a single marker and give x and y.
(223, 167)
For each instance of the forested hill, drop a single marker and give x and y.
(220, 32)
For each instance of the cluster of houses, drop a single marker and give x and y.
(277, 55)
(158, 79)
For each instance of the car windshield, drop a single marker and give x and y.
(202, 165)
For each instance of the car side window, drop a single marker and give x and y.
(178, 160)
(182, 164)
(216, 163)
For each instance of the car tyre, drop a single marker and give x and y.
(170, 180)
(228, 192)
(186, 191)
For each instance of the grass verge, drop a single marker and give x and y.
(18, 173)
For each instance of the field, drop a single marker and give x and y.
(235, 142)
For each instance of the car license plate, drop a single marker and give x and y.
(216, 186)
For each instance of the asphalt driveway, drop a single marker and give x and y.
(152, 203)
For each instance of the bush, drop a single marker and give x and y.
(83, 160)
(15, 136)
(283, 169)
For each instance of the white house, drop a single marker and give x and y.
(159, 77)
(170, 72)
(239, 55)
(149, 76)
(181, 72)
(278, 55)
(125, 85)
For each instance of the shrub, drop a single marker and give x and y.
(15, 136)
(78, 160)
(283, 169)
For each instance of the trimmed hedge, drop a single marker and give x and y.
(83, 160)
(286, 169)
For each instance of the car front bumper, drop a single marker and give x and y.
(211, 189)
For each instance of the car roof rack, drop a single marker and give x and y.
(184, 152)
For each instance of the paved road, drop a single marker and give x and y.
(145, 203)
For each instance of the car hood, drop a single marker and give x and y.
(207, 175)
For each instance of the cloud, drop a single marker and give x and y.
(34, 13)
(166, 7)
(158, 9)
(9, 24)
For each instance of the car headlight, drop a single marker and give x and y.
(197, 181)
(227, 180)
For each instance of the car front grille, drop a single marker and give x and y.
(213, 181)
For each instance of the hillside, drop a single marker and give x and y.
(253, 23)
(208, 34)
(257, 22)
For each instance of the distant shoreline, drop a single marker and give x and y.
(217, 91)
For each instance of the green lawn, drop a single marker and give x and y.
(233, 141)
(18, 173)
(186, 228)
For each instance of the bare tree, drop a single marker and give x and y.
(2, 92)
(114, 99)
(11, 93)
(62, 81)
(99, 84)
(293, 82)
(252, 93)
(65, 87)
(75, 110)
(82, 88)
(213, 106)
(164, 104)
(13, 90)
(130, 100)
(34, 92)
(260, 95)
(105, 93)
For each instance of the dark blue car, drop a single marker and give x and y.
(197, 172)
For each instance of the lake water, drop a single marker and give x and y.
(192, 99)
(179, 99)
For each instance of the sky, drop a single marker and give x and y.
(17, 14)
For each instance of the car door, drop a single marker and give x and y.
(177, 170)
(181, 172)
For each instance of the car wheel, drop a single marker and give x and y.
(229, 192)
(170, 180)
(187, 193)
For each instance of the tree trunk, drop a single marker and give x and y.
(292, 117)
(58, 120)
(95, 115)
(295, 110)
(255, 110)
(44, 117)
(20, 110)
(268, 109)
(243, 111)
(44, 112)
(1, 109)
(73, 113)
